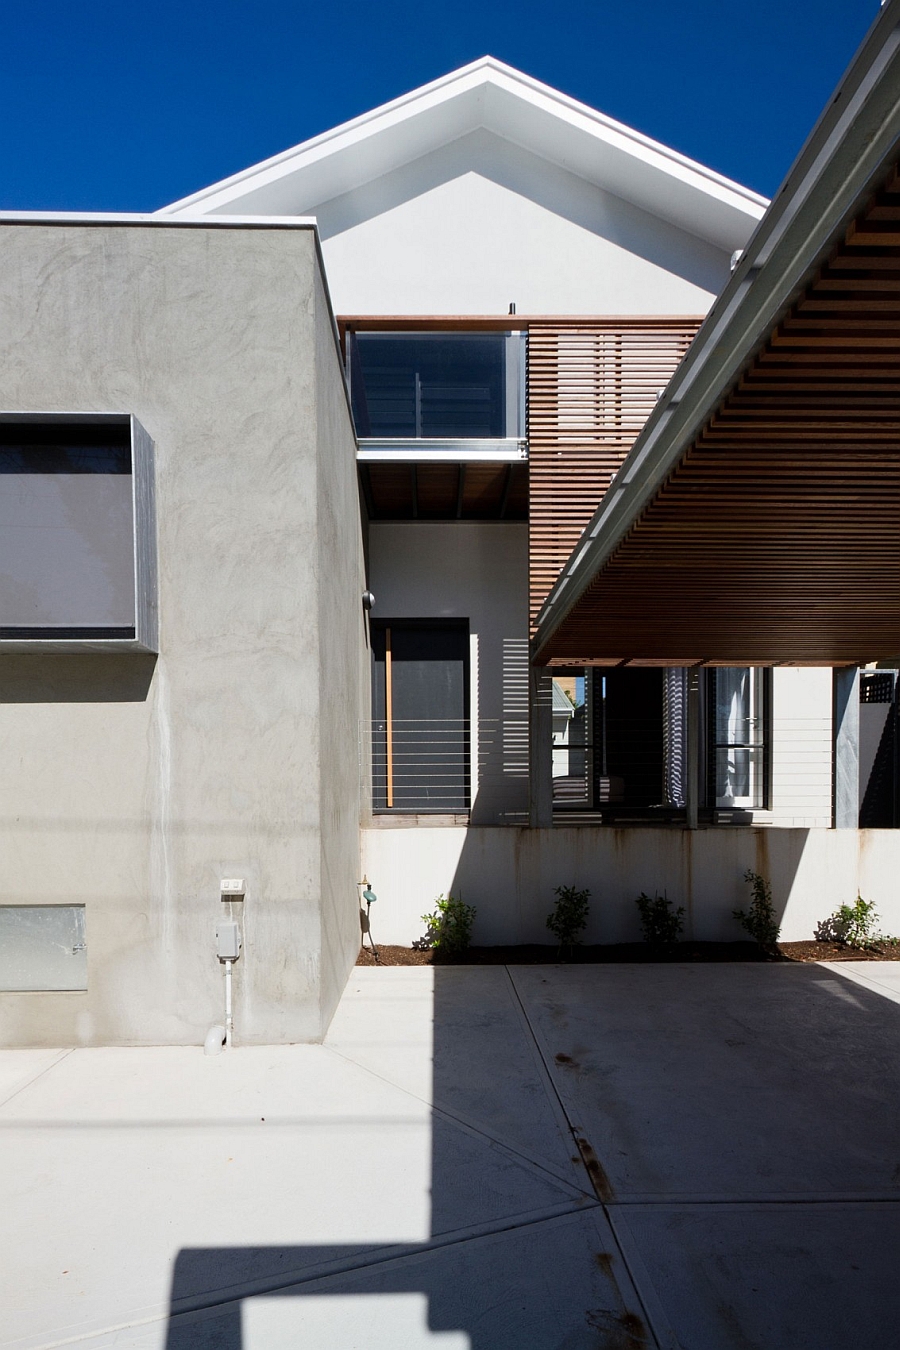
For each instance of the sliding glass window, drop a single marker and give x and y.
(437, 386)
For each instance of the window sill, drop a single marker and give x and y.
(509, 450)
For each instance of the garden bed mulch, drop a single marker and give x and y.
(536, 954)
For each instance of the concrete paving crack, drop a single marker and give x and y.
(21, 1087)
(595, 1171)
(545, 1168)
(382, 1258)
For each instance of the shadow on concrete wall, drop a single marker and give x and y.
(70, 677)
(510, 874)
(786, 1084)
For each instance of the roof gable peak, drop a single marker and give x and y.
(488, 94)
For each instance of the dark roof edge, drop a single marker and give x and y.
(842, 161)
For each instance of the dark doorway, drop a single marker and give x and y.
(420, 734)
(879, 750)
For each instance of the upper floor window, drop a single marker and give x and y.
(77, 532)
(437, 386)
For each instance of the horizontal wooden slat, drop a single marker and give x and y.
(591, 387)
(776, 539)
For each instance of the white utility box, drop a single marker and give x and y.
(228, 941)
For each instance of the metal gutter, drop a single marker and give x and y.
(842, 161)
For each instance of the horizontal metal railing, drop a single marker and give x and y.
(441, 765)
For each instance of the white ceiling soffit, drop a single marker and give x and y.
(489, 94)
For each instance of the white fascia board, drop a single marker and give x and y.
(359, 150)
(491, 95)
(619, 160)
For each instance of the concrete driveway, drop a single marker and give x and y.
(702, 1157)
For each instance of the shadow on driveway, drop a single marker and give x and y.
(696, 1157)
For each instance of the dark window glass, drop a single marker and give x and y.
(66, 530)
(435, 385)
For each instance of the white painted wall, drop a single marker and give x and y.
(482, 222)
(509, 875)
(479, 572)
(801, 749)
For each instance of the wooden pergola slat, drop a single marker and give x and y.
(776, 537)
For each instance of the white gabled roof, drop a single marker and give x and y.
(488, 94)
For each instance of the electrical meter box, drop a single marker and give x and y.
(228, 941)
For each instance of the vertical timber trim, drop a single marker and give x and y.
(389, 716)
(592, 384)
(846, 748)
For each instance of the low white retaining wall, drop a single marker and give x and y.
(509, 875)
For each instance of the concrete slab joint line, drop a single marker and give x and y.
(748, 1150)
(596, 1174)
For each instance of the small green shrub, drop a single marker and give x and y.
(852, 925)
(569, 916)
(448, 929)
(759, 919)
(660, 923)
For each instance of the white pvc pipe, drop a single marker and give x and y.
(215, 1038)
(229, 1020)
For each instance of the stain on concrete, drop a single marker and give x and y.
(618, 1331)
(594, 1168)
(762, 854)
(567, 1060)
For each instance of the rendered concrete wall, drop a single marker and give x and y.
(134, 785)
(479, 572)
(344, 666)
(483, 222)
(509, 875)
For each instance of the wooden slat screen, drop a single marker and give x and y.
(776, 538)
(592, 384)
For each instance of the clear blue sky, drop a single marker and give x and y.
(115, 105)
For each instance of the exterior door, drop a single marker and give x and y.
(420, 692)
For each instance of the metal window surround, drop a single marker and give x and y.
(508, 450)
(142, 635)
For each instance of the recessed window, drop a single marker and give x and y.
(76, 531)
(620, 741)
(437, 386)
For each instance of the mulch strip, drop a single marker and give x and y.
(536, 954)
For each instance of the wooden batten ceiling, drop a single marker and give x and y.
(776, 539)
(473, 491)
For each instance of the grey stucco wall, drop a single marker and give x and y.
(134, 784)
(344, 668)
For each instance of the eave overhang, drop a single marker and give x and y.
(757, 518)
(489, 95)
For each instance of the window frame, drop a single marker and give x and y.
(762, 675)
(144, 637)
(515, 396)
